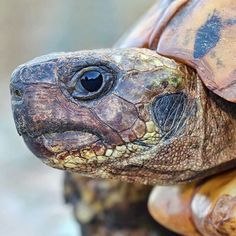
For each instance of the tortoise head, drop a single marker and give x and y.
(117, 113)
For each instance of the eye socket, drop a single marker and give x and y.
(90, 83)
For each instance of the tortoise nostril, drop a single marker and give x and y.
(17, 93)
(16, 85)
(16, 90)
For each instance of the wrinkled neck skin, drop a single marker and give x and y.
(219, 134)
(151, 122)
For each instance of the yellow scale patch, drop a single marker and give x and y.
(88, 155)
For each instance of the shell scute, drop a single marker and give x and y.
(202, 34)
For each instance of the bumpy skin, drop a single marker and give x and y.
(153, 122)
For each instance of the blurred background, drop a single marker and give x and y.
(31, 199)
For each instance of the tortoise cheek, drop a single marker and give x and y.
(118, 113)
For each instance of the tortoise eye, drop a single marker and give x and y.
(89, 83)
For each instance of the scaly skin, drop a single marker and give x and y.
(153, 123)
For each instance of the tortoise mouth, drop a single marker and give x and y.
(67, 141)
(50, 144)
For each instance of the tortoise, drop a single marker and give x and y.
(158, 109)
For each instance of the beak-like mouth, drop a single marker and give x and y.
(67, 141)
(50, 145)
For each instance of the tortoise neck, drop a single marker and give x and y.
(220, 130)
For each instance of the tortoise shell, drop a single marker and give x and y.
(199, 33)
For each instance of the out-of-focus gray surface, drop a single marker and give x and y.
(31, 194)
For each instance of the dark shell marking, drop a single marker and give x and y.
(207, 36)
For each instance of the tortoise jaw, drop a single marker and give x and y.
(67, 141)
(51, 144)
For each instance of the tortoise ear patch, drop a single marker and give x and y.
(170, 112)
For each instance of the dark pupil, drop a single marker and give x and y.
(92, 81)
